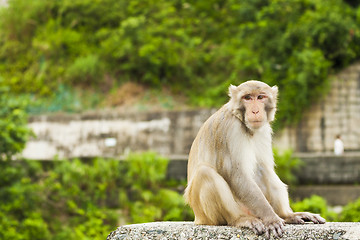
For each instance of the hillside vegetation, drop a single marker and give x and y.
(70, 54)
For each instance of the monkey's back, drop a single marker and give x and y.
(210, 146)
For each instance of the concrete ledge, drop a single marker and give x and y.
(190, 231)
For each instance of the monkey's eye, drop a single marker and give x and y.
(247, 97)
(261, 97)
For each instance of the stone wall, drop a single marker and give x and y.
(331, 177)
(336, 113)
(329, 169)
(171, 133)
(113, 135)
(316, 169)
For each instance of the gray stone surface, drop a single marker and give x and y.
(189, 231)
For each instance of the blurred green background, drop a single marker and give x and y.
(68, 54)
(75, 55)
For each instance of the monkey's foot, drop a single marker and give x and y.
(253, 223)
(302, 217)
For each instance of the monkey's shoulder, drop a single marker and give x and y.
(221, 120)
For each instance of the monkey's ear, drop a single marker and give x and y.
(275, 91)
(232, 90)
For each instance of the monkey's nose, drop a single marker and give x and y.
(255, 112)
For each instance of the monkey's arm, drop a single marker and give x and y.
(276, 192)
(279, 200)
(250, 195)
(248, 192)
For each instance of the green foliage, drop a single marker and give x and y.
(85, 200)
(351, 212)
(89, 199)
(315, 204)
(196, 47)
(13, 124)
(19, 211)
(286, 165)
(152, 202)
(86, 69)
(65, 98)
(147, 169)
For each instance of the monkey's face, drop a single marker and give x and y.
(255, 112)
(254, 103)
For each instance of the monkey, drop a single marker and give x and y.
(231, 176)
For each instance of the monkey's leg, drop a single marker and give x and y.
(214, 204)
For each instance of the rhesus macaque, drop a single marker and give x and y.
(231, 177)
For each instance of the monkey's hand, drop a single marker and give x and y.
(274, 226)
(302, 217)
(253, 223)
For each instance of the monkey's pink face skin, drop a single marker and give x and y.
(255, 114)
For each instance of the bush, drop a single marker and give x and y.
(89, 199)
(13, 124)
(286, 166)
(85, 70)
(351, 212)
(20, 208)
(315, 204)
(146, 170)
(152, 201)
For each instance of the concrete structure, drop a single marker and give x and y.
(187, 230)
(338, 112)
(113, 135)
(329, 176)
(171, 133)
(316, 168)
(329, 169)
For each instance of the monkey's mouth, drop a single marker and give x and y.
(256, 124)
